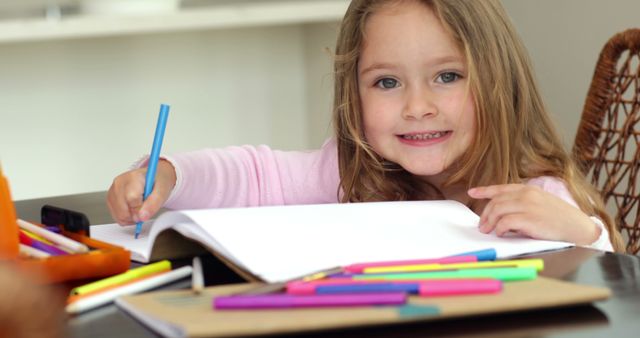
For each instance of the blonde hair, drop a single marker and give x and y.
(515, 138)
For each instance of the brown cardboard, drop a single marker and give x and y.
(184, 314)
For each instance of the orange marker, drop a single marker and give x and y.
(9, 244)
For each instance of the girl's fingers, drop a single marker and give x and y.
(165, 181)
(512, 223)
(492, 191)
(125, 196)
(152, 204)
(118, 208)
(498, 207)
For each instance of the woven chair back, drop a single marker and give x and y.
(608, 137)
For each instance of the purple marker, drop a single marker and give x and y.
(36, 244)
(291, 301)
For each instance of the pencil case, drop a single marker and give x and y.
(102, 260)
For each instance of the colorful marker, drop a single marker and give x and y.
(28, 251)
(503, 274)
(535, 262)
(154, 157)
(133, 274)
(58, 239)
(467, 257)
(36, 244)
(481, 255)
(361, 267)
(291, 301)
(424, 288)
(101, 298)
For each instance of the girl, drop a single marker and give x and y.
(432, 98)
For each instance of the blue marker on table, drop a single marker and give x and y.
(153, 158)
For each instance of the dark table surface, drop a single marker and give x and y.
(619, 316)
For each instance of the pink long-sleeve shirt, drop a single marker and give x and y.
(242, 176)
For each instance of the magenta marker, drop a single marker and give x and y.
(291, 301)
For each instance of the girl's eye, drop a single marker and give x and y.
(387, 83)
(448, 77)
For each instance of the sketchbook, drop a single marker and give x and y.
(180, 313)
(278, 243)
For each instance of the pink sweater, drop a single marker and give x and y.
(257, 176)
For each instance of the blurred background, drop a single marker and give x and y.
(81, 81)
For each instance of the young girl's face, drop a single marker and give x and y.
(412, 82)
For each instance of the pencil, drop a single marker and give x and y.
(154, 157)
(60, 240)
(197, 283)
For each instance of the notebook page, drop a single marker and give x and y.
(282, 242)
(124, 236)
(141, 248)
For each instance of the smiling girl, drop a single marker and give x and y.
(432, 100)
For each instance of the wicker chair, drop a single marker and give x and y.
(608, 138)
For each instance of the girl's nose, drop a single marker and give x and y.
(419, 104)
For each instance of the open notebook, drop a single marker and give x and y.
(277, 243)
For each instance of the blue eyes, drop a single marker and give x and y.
(448, 77)
(389, 83)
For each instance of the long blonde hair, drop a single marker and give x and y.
(515, 138)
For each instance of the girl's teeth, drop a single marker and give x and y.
(423, 136)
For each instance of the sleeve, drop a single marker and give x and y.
(242, 176)
(603, 242)
(557, 187)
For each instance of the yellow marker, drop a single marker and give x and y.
(46, 241)
(322, 274)
(34, 236)
(536, 263)
(125, 277)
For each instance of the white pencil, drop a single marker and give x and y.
(197, 281)
(53, 237)
(91, 302)
(32, 252)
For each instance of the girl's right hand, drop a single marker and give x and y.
(124, 198)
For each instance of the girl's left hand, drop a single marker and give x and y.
(530, 211)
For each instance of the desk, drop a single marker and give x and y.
(617, 317)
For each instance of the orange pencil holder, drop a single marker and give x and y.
(102, 260)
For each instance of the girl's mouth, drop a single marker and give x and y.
(425, 136)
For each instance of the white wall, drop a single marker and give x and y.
(564, 38)
(75, 113)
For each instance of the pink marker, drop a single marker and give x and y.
(427, 288)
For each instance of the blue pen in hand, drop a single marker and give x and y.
(153, 159)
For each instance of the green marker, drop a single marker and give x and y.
(503, 274)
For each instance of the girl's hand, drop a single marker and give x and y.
(530, 211)
(124, 198)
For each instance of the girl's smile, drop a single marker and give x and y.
(420, 139)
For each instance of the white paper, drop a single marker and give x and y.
(278, 243)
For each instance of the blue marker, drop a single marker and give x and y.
(153, 159)
(413, 288)
(483, 255)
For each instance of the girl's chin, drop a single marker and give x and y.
(425, 173)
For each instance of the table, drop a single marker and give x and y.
(618, 316)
